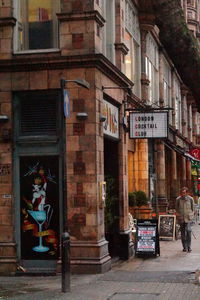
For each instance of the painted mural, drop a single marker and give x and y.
(39, 191)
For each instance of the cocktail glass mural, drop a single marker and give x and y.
(40, 218)
(39, 193)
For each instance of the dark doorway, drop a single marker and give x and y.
(112, 195)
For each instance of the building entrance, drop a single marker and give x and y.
(38, 177)
(112, 195)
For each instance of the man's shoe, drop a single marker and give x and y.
(184, 250)
(189, 249)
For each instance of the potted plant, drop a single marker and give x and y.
(141, 198)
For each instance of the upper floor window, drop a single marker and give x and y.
(36, 26)
(178, 107)
(109, 29)
(167, 90)
(191, 2)
(99, 3)
(191, 14)
(152, 68)
(131, 20)
(132, 41)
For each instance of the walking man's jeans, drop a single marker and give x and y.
(186, 231)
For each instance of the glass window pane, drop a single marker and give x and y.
(40, 24)
(37, 24)
(129, 56)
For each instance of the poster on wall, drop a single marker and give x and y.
(39, 194)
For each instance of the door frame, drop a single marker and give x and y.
(34, 145)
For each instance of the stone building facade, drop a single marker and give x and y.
(53, 167)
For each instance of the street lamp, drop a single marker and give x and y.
(65, 238)
(79, 81)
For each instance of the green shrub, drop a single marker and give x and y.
(138, 198)
(131, 199)
(111, 208)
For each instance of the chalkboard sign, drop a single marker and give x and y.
(166, 226)
(147, 240)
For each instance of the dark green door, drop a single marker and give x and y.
(38, 157)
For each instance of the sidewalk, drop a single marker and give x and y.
(172, 275)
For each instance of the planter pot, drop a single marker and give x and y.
(143, 212)
(132, 210)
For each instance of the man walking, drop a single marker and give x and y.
(185, 215)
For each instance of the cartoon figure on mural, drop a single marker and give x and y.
(38, 208)
(39, 192)
(39, 195)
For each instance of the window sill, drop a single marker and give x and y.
(36, 51)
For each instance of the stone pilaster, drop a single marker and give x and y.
(89, 249)
(183, 171)
(188, 174)
(161, 177)
(140, 168)
(125, 244)
(174, 188)
(7, 240)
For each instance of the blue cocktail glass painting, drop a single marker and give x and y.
(40, 218)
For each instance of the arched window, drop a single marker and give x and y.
(36, 26)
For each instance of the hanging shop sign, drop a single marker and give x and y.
(195, 153)
(145, 125)
(111, 123)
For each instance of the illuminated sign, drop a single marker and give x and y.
(148, 125)
(111, 124)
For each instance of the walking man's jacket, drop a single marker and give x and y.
(185, 208)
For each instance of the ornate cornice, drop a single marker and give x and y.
(88, 15)
(42, 62)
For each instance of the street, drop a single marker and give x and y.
(172, 275)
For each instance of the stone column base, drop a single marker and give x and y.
(90, 257)
(8, 260)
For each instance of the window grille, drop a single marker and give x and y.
(38, 115)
